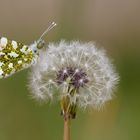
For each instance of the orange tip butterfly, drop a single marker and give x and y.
(15, 56)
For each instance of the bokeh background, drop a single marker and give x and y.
(114, 25)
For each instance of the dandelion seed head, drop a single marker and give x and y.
(78, 70)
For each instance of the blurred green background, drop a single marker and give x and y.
(113, 24)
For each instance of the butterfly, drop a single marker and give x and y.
(15, 56)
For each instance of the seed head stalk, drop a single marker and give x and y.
(67, 120)
(68, 110)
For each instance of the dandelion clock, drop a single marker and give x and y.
(77, 74)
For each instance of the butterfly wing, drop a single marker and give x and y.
(14, 56)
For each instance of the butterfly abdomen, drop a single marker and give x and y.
(14, 56)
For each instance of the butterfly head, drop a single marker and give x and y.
(40, 43)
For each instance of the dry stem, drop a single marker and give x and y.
(66, 127)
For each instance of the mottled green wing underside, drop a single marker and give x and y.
(14, 56)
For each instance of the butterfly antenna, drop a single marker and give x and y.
(52, 25)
